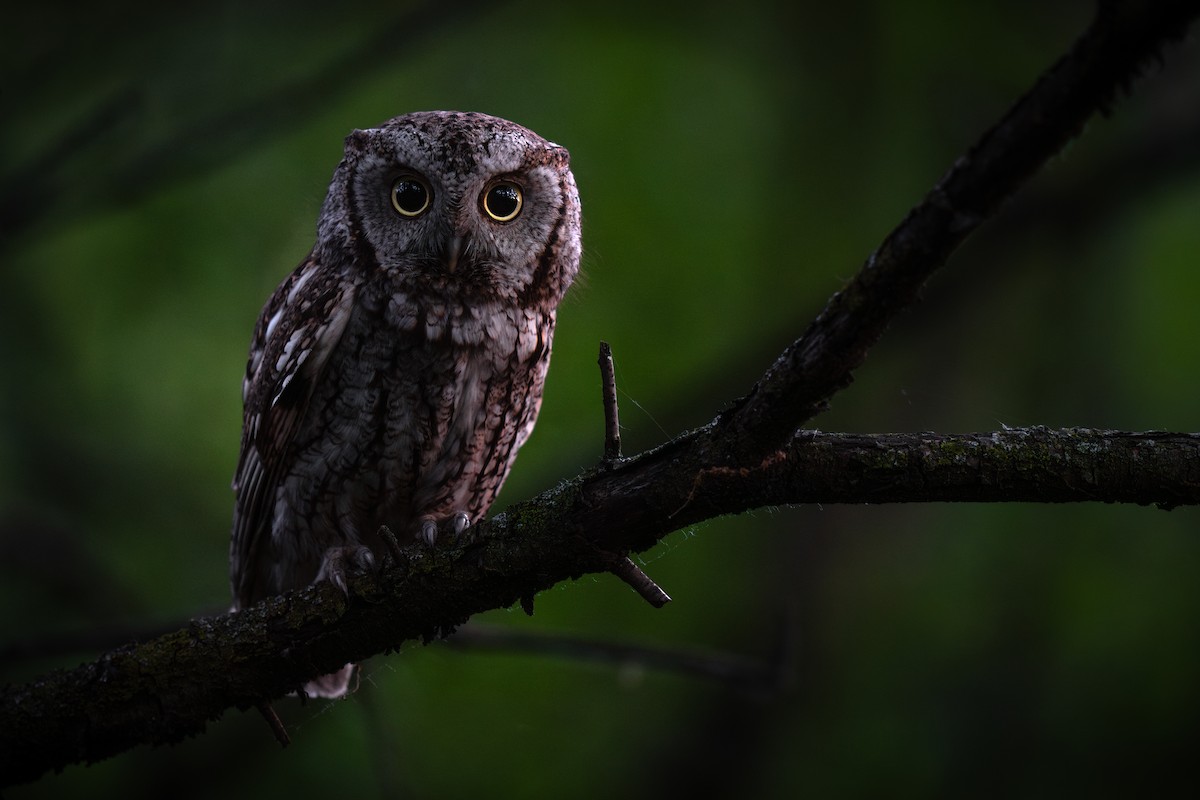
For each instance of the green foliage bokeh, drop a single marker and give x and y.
(161, 171)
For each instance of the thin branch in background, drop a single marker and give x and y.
(30, 192)
(221, 137)
(739, 671)
(197, 146)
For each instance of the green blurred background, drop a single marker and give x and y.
(161, 170)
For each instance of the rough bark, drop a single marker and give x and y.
(168, 688)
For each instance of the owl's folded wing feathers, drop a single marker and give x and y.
(293, 339)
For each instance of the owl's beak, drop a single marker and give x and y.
(453, 251)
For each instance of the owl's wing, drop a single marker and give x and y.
(293, 338)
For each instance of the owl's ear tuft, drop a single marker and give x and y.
(357, 140)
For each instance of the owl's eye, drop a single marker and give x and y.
(410, 196)
(503, 201)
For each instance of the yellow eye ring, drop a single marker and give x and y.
(502, 201)
(411, 196)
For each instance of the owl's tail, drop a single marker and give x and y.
(333, 685)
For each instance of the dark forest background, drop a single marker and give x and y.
(161, 170)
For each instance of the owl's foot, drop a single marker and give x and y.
(452, 525)
(340, 562)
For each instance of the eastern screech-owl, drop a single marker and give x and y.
(393, 376)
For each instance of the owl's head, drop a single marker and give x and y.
(461, 201)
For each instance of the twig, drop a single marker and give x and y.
(393, 546)
(608, 387)
(276, 724)
(622, 566)
(640, 582)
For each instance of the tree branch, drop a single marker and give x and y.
(1035, 465)
(168, 688)
(1105, 60)
(1124, 35)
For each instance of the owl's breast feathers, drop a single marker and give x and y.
(368, 403)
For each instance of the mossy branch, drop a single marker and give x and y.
(167, 689)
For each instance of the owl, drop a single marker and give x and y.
(395, 373)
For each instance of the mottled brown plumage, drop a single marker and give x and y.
(394, 375)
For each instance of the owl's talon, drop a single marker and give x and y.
(453, 525)
(339, 562)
